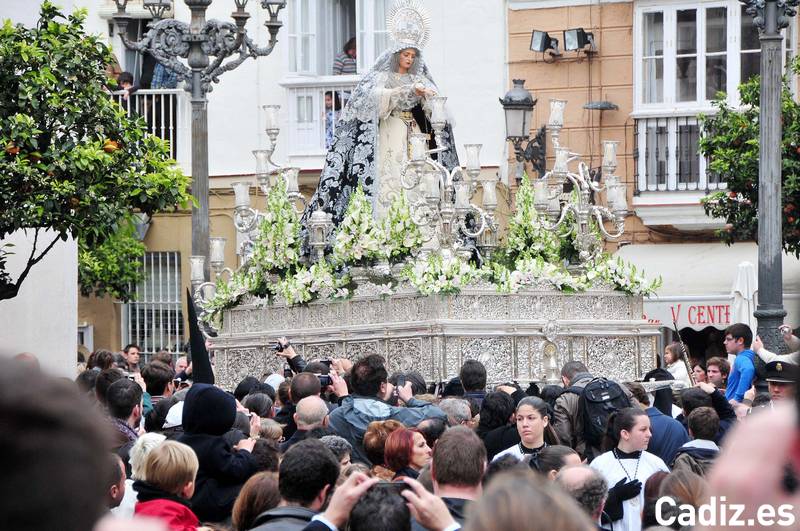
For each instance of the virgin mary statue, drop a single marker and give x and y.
(390, 103)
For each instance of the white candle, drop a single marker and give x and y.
(217, 250)
(473, 152)
(611, 194)
(262, 161)
(490, 194)
(557, 112)
(431, 184)
(419, 147)
(621, 197)
(540, 193)
(291, 175)
(610, 153)
(241, 192)
(272, 112)
(462, 194)
(438, 114)
(562, 160)
(197, 266)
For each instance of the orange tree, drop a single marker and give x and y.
(731, 142)
(72, 163)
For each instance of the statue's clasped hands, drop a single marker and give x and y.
(421, 91)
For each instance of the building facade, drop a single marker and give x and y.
(661, 63)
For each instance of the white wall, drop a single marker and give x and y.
(466, 54)
(43, 318)
(27, 12)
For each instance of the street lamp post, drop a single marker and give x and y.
(197, 42)
(518, 105)
(770, 16)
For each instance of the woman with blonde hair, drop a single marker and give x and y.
(674, 359)
(375, 443)
(685, 487)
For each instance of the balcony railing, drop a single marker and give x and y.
(167, 115)
(667, 157)
(314, 106)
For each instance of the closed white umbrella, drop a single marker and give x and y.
(744, 292)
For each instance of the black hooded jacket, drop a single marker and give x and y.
(208, 413)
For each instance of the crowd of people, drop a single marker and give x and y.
(345, 444)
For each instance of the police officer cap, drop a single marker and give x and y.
(781, 372)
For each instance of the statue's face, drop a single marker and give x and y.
(406, 58)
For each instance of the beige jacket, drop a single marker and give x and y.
(792, 357)
(568, 424)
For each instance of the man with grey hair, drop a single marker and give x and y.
(457, 410)
(340, 448)
(310, 413)
(587, 487)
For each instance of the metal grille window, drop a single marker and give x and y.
(667, 156)
(154, 321)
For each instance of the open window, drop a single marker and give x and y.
(319, 29)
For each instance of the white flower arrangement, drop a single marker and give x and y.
(229, 293)
(532, 257)
(622, 275)
(531, 271)
(277, 248)
(401, 235)
(307, 284)
(527, 236)
(359, 239)
(438, 274)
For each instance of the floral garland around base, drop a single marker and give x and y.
(440, 274)
(531, 257)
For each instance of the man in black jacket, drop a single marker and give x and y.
(459, 460)
(306, 479)
(706, 395)
(208, 413)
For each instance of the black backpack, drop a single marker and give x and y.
(598, 399)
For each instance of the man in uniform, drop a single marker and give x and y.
(781, 379)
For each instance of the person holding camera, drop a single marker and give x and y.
(367, 403)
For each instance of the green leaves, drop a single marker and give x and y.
(113, 266)
(731, 141)
(70, 158)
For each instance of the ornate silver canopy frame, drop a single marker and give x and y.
(526, 336)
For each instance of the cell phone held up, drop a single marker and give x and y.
(396, 486)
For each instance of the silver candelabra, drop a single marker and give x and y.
(443, 208)
(578, 207)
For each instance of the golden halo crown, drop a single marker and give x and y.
(409, 24)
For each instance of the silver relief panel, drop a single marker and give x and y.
(435, 334)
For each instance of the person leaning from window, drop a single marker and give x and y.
(345, 63)
(163, 78)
